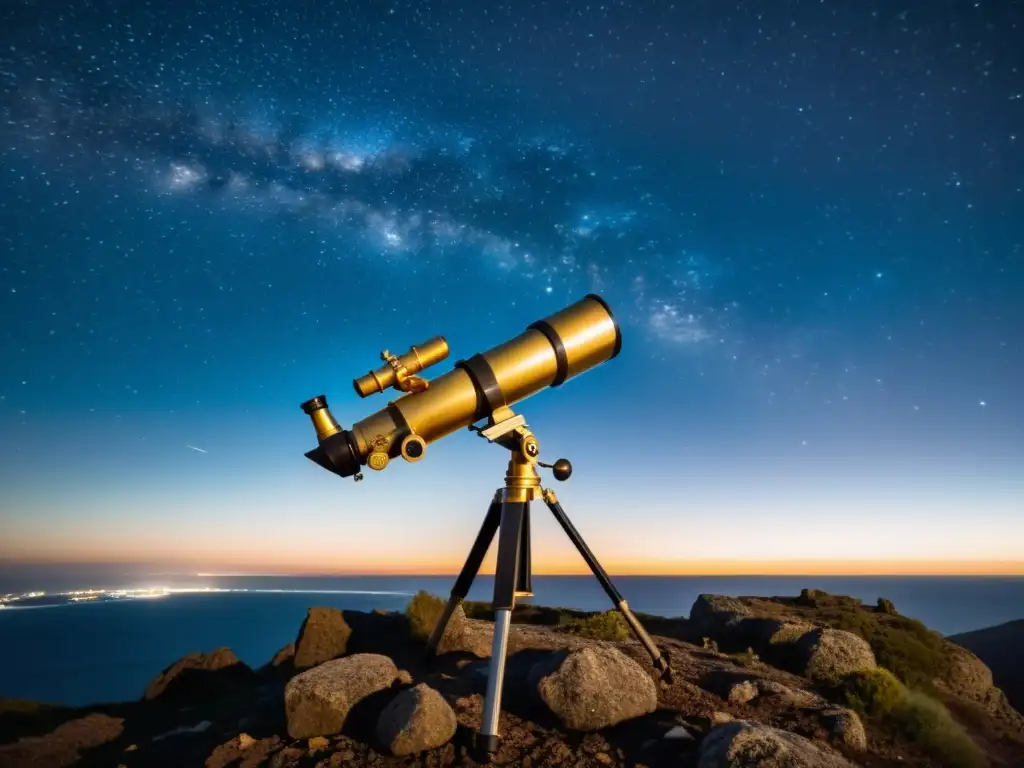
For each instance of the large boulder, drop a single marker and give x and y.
(826, 655)
(198, 675)
(718, 615)
(323, 636)
(318, 701)
(740, 744)
(417, 719)
(967, 676)
(594, 687)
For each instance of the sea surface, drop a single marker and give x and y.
(84, 653)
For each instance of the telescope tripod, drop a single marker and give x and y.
(509, 512)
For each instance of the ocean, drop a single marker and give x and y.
(83, 653)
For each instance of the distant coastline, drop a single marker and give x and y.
(942, 601)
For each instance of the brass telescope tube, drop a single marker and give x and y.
(547, 354)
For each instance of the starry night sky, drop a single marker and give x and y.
(807, 216)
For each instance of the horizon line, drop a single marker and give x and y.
(790, 567)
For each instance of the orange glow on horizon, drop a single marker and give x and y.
(289, 566)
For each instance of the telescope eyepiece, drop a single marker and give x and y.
(314, 404)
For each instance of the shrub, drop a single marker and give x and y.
(524, 613)
(609, 625)
(423, 612)
(872, 692)
(914, 716)
(927, 723)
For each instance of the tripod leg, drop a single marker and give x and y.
(468, 573)
(509, 542)
(660, 662)
(524, 575)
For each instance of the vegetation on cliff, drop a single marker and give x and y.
(914, 715)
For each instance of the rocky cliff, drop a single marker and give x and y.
(811, 681)
(1002, 650)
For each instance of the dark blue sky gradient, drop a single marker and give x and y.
(808, 218)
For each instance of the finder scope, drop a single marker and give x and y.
(547, 354)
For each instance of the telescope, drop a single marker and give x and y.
(478, 394)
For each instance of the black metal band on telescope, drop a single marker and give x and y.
(561, 358)
(489, 396)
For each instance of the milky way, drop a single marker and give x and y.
(543, 206)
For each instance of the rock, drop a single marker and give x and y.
(846, 728)
(828, 654)
(284, 656)
(417, 719)
(885, 605)
(678, 732)
(782, 632)
(810, 597)
(594, 687)
(323, 636)
(745, 745)
(741, 693)
(715, 615)
(999, 648)
(199, 675)
(243, 751)
(404, 677)
(794, 696)
(816, 598)
(999, 707)
(316, 744)
(968, 675)
(463, 636)
(719, 718)
(287, 758)
(63, 746)
(318, 700)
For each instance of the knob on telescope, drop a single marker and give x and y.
(561, 469)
